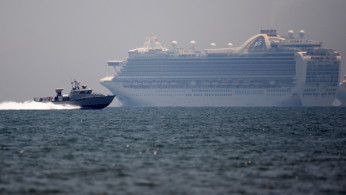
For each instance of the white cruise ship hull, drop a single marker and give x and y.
(200, 97)
(341, 94)
(237, 97)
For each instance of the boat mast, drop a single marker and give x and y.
(75, 85)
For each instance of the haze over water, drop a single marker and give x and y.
(173, 151)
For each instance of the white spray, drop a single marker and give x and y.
(32, 105)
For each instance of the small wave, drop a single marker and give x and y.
(32, 105)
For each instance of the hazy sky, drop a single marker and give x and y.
(46, 43)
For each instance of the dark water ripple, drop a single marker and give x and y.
(174, 151)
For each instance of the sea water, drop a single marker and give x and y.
(173, 151)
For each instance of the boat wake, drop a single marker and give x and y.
(32, 105)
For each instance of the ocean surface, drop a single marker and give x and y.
(173, 151)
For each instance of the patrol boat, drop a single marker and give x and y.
(79, 96)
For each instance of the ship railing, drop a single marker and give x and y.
(116, 63)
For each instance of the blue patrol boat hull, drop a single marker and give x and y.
(89, 103)
(79, 96)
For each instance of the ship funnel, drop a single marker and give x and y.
(230, 45)
(213, 45)
(301, 33)
(193, 44)
(290, 34)
(174, 45)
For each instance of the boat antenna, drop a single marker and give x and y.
(75, 85)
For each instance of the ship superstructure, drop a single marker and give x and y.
(267, 70)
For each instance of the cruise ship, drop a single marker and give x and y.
(266, 70)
